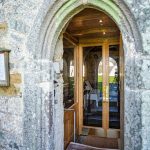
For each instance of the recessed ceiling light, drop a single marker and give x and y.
(100, 21)
(104, 33)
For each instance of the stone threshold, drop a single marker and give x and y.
(77, 146)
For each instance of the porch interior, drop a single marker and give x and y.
(83, 41)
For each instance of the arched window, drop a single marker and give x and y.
(100, 76)
(71, 70)
(113, 70)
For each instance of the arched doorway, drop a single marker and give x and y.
(94, 37)
(49, 51)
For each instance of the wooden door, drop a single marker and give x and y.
(109, 102)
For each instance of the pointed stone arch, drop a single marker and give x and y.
(57, 18)
(42, 104)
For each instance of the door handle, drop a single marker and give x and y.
(106, 93)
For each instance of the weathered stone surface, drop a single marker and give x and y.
(14, 88)
(33, 119)
(15, 78)
(11, 124)
(145, 118)
(141, 11)
(132, 120)
(142, 73)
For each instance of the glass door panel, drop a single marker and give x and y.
(101, 97)
(68, 77)
(92, 77)
(114, 94)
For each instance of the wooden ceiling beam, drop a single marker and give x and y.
(70, 39)
(94, 30)
(98, 41)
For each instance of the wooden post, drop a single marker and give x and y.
(76, 97)
(80, 85)
(121, 87)
(105, 104)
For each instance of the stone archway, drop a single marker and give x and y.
(43, 107)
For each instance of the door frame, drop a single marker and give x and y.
(79, 79)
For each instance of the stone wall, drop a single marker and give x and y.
(28, 108)
(141, 12)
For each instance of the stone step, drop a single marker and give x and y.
(77, 146)
(100, 142)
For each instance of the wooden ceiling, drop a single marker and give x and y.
(91, 23)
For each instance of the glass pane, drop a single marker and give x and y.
(114, 98)
(68, 76)
(92, 74)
